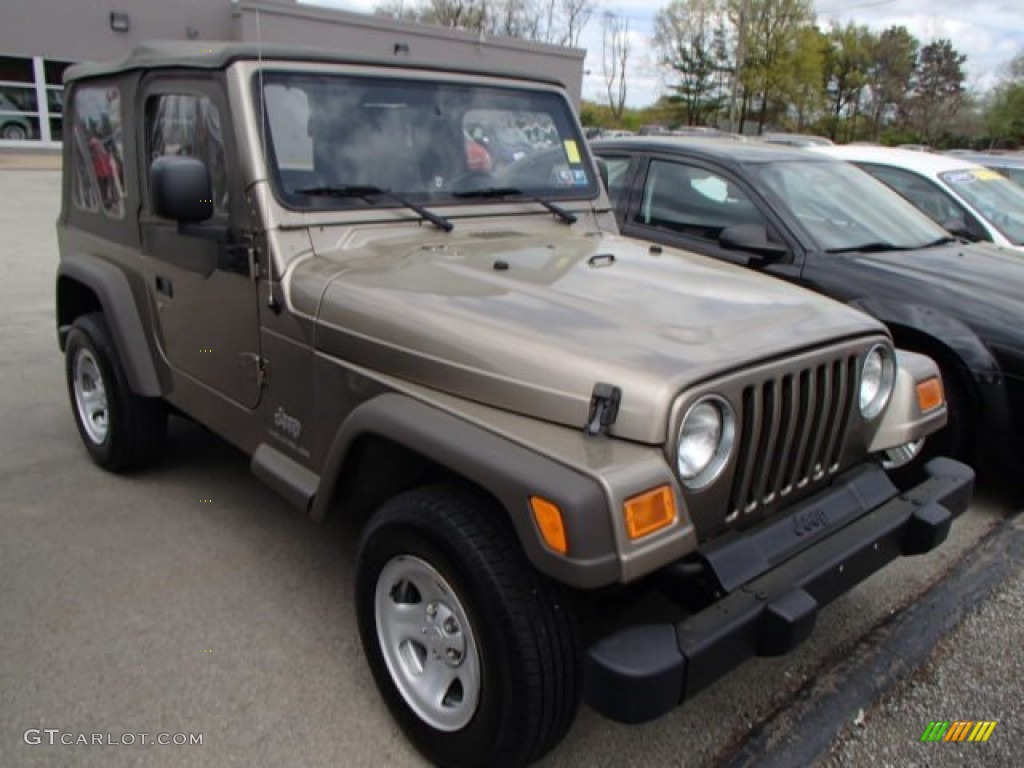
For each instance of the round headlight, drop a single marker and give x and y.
(706, 438)
(877, 378)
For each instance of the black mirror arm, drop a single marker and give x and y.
(236, 253)
(205, 230)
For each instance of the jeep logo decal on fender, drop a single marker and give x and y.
(287, 424)
(809, 521)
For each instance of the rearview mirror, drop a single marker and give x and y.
(752, 238)
(181, 188)
(959, 228)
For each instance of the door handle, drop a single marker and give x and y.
(164, 286)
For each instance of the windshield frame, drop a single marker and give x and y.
(990, 175)
(894, 206)
(492, 88)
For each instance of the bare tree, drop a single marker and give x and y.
(575, 17)
(560, 22)
(614, 57)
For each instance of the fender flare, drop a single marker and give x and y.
(949, 332)
(958, 340)
(507, 470)
(122, 315)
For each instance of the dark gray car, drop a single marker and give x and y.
(824, 224)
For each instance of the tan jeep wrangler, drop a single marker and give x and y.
(399, 289)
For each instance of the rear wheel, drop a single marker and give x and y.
(475, 653)
(120, 430)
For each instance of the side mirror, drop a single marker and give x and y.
(181, 188)
(752, 238)
(602, 171)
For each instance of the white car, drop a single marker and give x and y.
(968, 199)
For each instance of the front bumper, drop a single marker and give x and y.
(775, 578)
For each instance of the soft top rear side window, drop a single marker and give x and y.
(97, 136)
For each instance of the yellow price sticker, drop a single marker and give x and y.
(987, 175)
(572, 151)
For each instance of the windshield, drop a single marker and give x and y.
(1016, 175)
(843, 208)
(994, 196)
(427, 141)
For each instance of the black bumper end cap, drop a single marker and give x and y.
(635, 675)
(786, 622)
(926, 529)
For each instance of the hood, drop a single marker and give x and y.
(531, 322)
(979, 283)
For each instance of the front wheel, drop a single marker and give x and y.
(120, 430)
(475, 653)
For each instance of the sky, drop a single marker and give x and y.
(989, 32)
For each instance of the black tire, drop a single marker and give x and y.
(13, 132)
(135, 427)
(955, 440)
(530, 664)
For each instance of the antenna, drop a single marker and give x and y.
(271, 299)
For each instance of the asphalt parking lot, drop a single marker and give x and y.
(189, 599)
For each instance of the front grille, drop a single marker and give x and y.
(792, 430)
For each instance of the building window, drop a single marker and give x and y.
(31, 99)
(98, 180)
(19, 107)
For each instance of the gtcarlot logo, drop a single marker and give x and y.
(55, 736)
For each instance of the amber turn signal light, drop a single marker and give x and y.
(549, 520)
(929, 394)
(650, 511)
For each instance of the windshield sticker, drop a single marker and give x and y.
(987, 175)
(579, 177)
(960, 177)
(572, 152)
(565, 177)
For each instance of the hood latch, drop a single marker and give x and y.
(604, 408)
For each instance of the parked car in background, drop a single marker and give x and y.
(824, 224)
(14, 123)
(1010, 165)
(796, 139)
(968, 199)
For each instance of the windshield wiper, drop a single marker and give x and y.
(876, 247)
(366, 190)
(502, 192)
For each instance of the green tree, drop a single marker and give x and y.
(802, 90)
(891, 61)
(1004, 119)
(690, 37)
(772, 28)
(937, 89)
(846, 67)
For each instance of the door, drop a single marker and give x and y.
(203, 296)
(687, 204)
